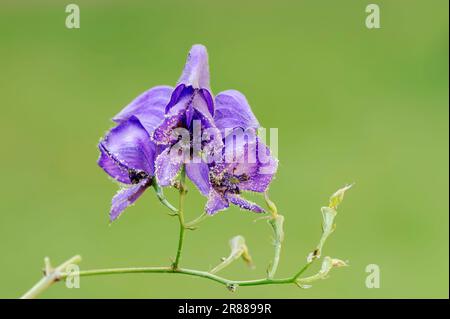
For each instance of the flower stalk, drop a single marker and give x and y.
(276, 222)
(160, 195)
(180, 213)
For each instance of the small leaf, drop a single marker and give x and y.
(328, 216)
(338, 196)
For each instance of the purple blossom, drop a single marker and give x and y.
(246, 163)
(127, 155)
(227, 180)
(155, 136)
(191, 102)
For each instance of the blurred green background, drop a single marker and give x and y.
(351, 105)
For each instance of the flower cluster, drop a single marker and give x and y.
(167, 129)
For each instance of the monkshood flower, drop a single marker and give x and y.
(227, 180)
(127, 153)
(246, 163)
(190, 100)
(191, 103)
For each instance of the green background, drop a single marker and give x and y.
(351, 105)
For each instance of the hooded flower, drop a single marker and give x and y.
(156, 133)
(127, 156)
(190, 102)
(246, 163)
(228, 180)
(127, 153)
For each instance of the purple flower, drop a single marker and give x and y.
(191, 102)
(247, 167)
(127, 156)
(246, 163)
(155, 136)
(127, 153)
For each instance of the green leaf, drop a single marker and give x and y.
(338, 196)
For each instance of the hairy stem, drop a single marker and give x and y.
(181, 216)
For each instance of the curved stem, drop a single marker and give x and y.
(276, 260)
(56, 275)
(276, 222)
(193, 223)
(226, 262)
(160, 194)
(182, 271)
(181, 217)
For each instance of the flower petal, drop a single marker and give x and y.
(244, 204)
(125, 197)
(261, 174)
(203, 102)
(112, 167)
(196, 69)
(148, 107)
(198, 173)
(216, 202)
(207, 97)
(167, 165)
(252, 159)
(185, 97)
(181, 92)
(232, 110)
(130, 147)
(163, 134)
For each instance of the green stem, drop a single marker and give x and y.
(276, 222)
(226, 262)
(193, 224)
(182, 271)
(181, 217)
(302, 270)
(59, 274)
(160, 194)
(51, 276)
(276, 260)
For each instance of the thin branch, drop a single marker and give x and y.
(160, 194)
(192, 225)
(276, 221)
(182, 271)
(181, 216)
(50, 276)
